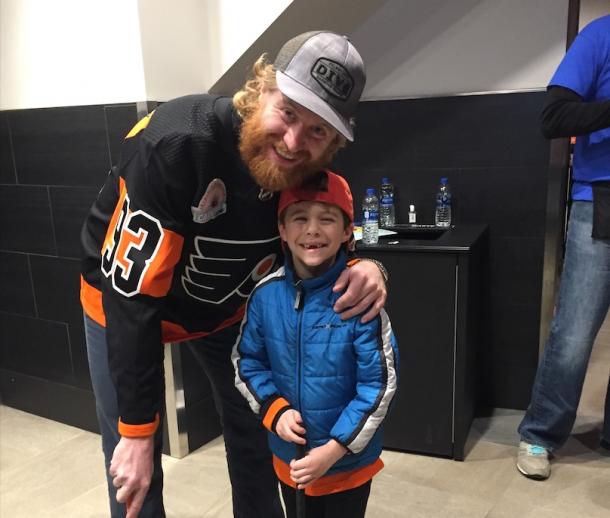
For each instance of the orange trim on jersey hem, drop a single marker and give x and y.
(138, 430)
(329, 484)
(91, 300)
(176, 333)
(274, 408)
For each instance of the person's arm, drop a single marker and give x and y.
(253, 376)
(566, 114)
(142, 246)
(254, 379)
(377, 380)
(365, 290)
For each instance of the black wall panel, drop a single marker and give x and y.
(17, 292)
(53, 162)
(56, 286)
(69, 207)
(60, 146)
(25, 220)
(35, 347)
(7, 167)
(496, 160)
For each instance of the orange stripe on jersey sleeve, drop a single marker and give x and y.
(158, 276)
(109, 243)
(138, 430)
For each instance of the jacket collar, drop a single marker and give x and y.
(328, 278)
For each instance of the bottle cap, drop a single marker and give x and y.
(411, 208)
(370, 190)
(444, 179)
(385, 179)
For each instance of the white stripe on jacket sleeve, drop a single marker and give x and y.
(372, 423)
(241, 384)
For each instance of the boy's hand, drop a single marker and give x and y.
(364, 289)
(316, 463)
(290, 427)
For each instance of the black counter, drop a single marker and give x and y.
(427, 238)
(436, 306)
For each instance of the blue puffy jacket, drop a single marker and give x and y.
(294, 351)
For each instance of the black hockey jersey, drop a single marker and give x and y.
(175, 242)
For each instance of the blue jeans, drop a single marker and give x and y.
(253, 481)
(107, 410)
(584, 297)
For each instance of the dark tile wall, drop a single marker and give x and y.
(496, 160)
(53, 162)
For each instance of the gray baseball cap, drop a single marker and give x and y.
(323, 72)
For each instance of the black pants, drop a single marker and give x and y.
(253, 481)
(348, 504)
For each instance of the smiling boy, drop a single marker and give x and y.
(313, 378)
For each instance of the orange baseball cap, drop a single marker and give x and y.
(325, 187)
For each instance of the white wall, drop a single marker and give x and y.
(72, 52)
(79, 52)
(69, 52)
(592, 9)
(240, 23)
(442, 47)
(188, 44)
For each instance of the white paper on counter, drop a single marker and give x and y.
(382, 232)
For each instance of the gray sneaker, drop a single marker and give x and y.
(533, 461)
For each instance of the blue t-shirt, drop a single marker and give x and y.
(585, 69)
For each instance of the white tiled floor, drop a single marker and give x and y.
(49, 469)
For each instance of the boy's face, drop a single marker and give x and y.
(314, 232)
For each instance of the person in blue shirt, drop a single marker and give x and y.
(314, 379)
(577, 104)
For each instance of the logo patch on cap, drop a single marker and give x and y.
(333, 77)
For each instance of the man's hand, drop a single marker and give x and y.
(365, 288)
(131, 470)
(316, 463)
(290, 427)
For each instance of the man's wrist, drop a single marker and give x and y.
(379, 264)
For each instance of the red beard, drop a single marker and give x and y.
(253, 142)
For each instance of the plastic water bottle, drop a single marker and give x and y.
(387, 217)
(442, 215)
(370, 218)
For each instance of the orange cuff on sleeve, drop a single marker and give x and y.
(275, 407)
(138, 430)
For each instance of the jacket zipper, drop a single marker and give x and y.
(298, 305)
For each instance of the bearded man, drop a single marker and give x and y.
(178, 237)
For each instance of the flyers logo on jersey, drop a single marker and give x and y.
(219, 269)
(138, 254)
